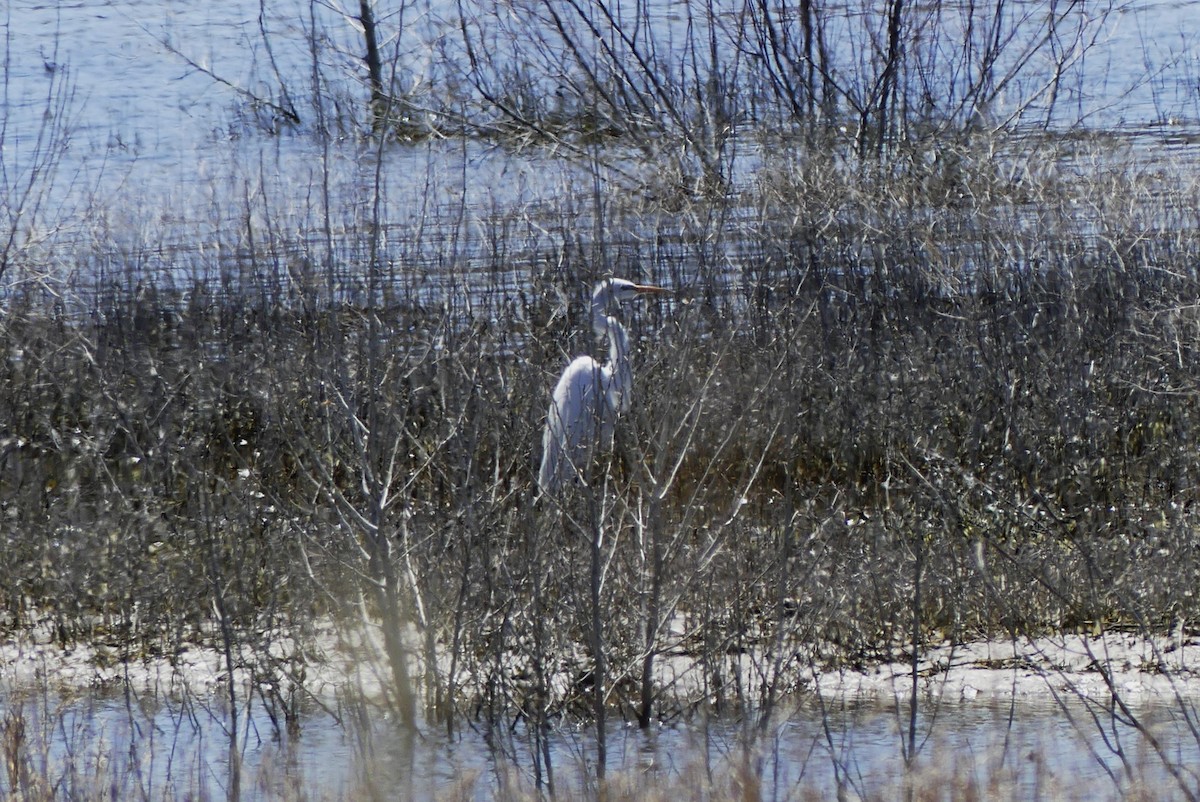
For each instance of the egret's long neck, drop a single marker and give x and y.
(618, 356)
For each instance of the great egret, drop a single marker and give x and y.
(590, 395)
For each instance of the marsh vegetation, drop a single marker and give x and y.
(929, 373)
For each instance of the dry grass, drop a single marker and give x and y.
(869, 381)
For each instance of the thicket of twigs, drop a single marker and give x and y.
(924, 380)
(1007, 406)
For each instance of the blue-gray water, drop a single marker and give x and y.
(175, 749)
(148, 128)
(148, 125)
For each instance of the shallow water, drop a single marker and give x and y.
(164, 97)
(165, 152)
(175, 749)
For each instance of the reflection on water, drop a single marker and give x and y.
(177, 749)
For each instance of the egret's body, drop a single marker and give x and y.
(590, 395)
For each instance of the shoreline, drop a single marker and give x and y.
(1131, 666)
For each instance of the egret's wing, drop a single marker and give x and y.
(571, 423)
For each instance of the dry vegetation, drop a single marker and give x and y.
(936, 377)
(1012, 407)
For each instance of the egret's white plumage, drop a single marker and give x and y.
(590, 395)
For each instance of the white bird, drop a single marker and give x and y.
(590, 395)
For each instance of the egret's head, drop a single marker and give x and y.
(619, 290)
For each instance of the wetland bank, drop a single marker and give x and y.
(915, 435)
